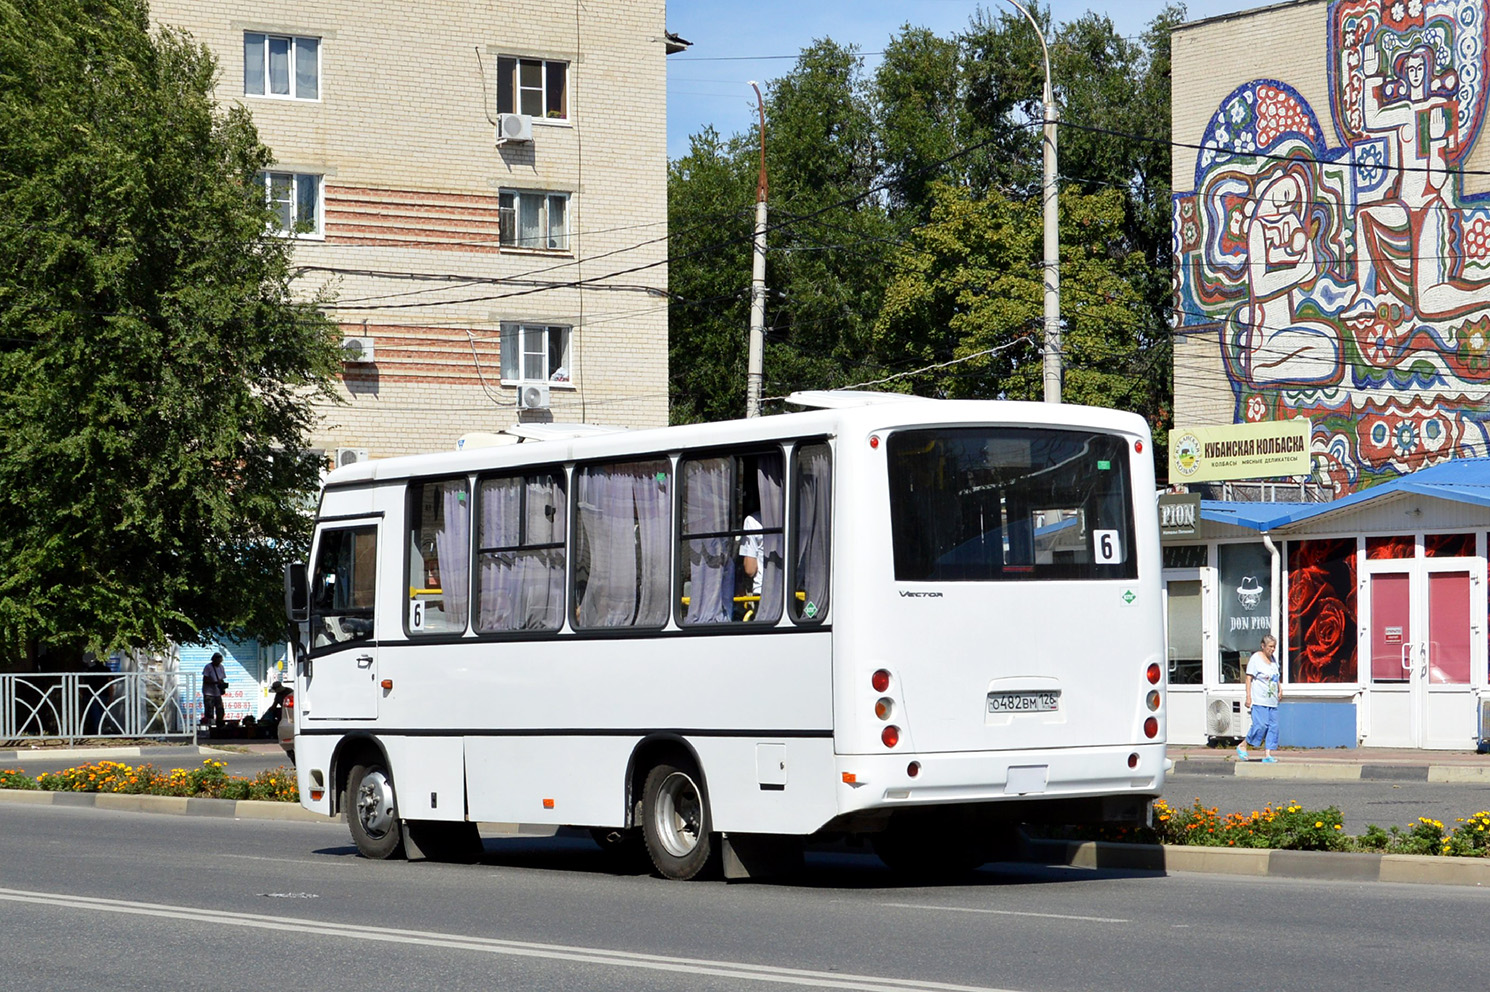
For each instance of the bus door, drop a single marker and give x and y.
(340, 676)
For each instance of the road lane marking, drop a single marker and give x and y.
(493, 945)
(1003, 912)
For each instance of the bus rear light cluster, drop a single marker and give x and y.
(884, 707)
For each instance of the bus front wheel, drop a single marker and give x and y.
(676, 823)
(372, 812)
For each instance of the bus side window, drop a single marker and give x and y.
(731, 561)
(439, 517)
(520, 553)
(342, 586)
(622, 544)
(812, 517)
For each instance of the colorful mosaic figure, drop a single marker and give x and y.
(1351, 284)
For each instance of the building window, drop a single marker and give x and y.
(534, 220)
(536, 87)
(535, 353)
(295, 199)
(281, 65)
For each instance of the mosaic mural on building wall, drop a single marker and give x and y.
(1348, 274)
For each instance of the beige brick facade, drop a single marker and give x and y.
(402, 134)
(1332, 229)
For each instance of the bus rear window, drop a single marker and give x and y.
(1009, 504)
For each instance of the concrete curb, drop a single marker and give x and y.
(1336, 771)
(242, 809)
(1417, 869)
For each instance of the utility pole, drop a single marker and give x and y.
(1052, 220)
(755, 373)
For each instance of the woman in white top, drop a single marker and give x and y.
(1264, 691)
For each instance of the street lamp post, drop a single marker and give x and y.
(1052, 230)
(755, 372)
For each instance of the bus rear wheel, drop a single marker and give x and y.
(372, 812)
(675, 822)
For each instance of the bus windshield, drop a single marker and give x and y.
(1009, 504)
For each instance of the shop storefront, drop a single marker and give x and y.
(1378, 601)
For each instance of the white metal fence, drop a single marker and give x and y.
(78, 705)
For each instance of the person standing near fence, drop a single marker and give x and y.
(214, 684)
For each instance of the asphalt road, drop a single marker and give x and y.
(95, 899)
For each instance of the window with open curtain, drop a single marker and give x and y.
(622, 544)
(521, 575)
(708, 560)
(439, 556)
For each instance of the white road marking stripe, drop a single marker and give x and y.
(491, 945)
(1004, 912)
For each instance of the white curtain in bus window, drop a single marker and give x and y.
(522, 554)
(342, 586)
(812, 516)
(1009, 504)
(439, 557)
(772, 513)
(621, 559)
(708, 559)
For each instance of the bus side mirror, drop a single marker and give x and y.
(297, 599)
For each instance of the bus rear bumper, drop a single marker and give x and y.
(1031, 780)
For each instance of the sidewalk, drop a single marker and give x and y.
(1337, 764)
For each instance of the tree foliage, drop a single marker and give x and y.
(905, 220)
(155, 374)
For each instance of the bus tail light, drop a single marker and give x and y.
(891, 735)
(1153, 700)
(913, 769)
(880, 680)
(1133, 760)
(1155, 673)
(883, 707)
(1151, 728)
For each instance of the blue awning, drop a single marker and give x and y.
(1463, 480)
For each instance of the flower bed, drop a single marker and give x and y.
(1290, 827)
(210, 781)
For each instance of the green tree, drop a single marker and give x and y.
(968, 294)
(155, 374)
(828, 242)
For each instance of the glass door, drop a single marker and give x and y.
(1425, 643)
(1390, 635)
(1451, 637)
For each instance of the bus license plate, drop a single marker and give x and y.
(1024, 702)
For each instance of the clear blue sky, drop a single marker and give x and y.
(735, 41)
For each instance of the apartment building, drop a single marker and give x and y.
(478, 190)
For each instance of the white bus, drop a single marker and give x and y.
(917, 622)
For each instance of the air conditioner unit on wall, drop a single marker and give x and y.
(357, 349)
(514, 127)
(533, 396)
(350, 456)
(1225, 716)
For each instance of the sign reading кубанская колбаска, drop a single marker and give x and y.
(1267, 450)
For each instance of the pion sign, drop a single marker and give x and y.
(1179, 514)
